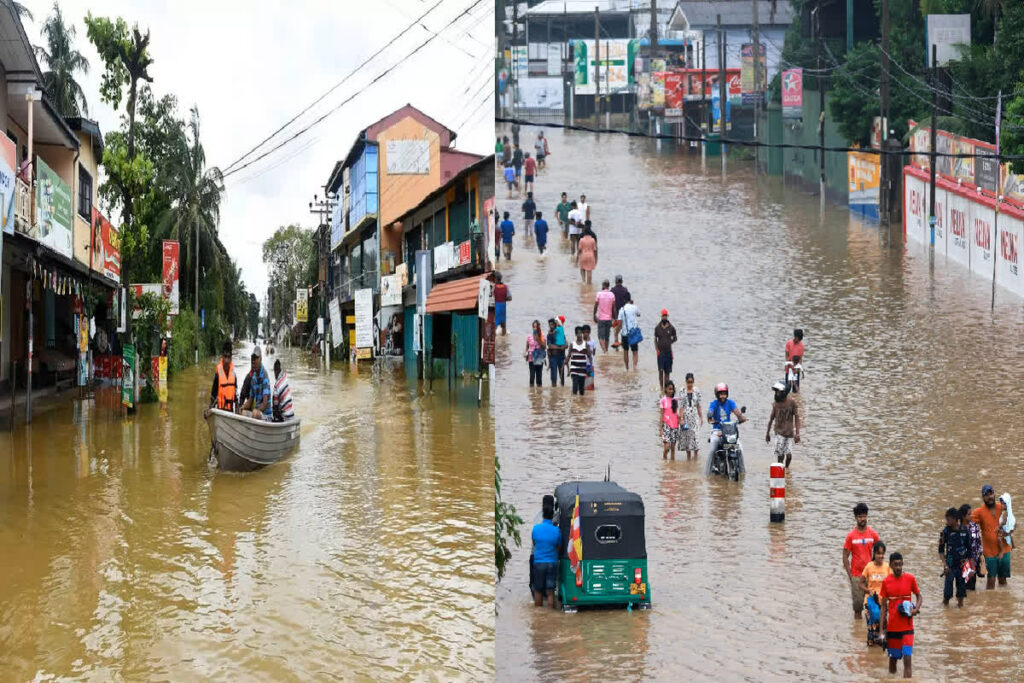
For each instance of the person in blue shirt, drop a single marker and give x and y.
(507, 230)
(510, 179)
(722, 409)
(259, 405)
(556, 350)
(547, 541)
(540, 231)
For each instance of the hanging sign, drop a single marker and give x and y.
(170, 274)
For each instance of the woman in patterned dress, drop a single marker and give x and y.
(693, 417)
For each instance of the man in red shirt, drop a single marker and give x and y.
(898, 615)
(529, 170)
(856, 555)
(795, 346)
(501, 299)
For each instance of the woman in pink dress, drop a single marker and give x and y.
(588, 254)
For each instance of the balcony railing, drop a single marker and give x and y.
(24, 205)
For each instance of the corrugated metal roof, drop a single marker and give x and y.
(704, 13)
(456, 295)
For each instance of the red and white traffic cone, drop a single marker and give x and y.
(777, 492)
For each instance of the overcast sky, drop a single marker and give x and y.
(251, 65)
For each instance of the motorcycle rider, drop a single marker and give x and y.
(721, 410)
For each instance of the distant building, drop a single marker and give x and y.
(392, 165)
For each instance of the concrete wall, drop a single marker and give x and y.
(400, 193)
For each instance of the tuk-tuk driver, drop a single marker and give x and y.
(547, 540)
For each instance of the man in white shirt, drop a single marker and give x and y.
(629, 317)
(576, 218)
(584, 207)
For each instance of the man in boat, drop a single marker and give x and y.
(282, 394)
(258, 405)
(225, 384)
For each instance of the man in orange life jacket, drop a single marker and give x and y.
(225, 384)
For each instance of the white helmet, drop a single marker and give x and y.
(778, 386)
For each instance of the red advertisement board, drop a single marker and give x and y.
(673, 94)
(171, 273)
(106, 247)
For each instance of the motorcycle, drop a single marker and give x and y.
(726, 458)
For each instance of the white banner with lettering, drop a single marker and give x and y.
(364, 318)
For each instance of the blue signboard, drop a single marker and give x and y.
(202, 318)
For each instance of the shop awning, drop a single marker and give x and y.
(456, 295)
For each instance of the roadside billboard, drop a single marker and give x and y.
(8, 169)
(301, 304)
(106, 247)
(792, 93)
(364, 322)
(747, 60)
(616, 66)
(863, 174)
(53, 210)
(171, 274)
(673, 95)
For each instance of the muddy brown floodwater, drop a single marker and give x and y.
(912, 397)
(365, 555)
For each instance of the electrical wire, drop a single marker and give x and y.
(751, 143)
(336, 85)
(334, 109)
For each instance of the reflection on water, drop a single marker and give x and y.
(124, 555)
(909, 397)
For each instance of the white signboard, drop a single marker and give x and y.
(945, 32)
(441, 253)
(615, 66)
(555, 59)
(408, 157)
(914, 209)
(1011, 234)
(483, 299)
(391, 290)
(364, 318)
(336, 332)
(540, 93)
(319, 325)
(982, 220)
(417, 332)
(941, 209)
(958, 215)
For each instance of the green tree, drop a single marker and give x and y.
(126, 61)
(291, 254)
(506, 526)
(195, 209)
(62, 61)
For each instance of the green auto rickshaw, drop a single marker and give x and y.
(614, 553)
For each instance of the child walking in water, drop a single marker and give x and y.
(669, 407)
(871, 582)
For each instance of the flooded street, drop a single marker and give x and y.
(365, 555)
(911, 398)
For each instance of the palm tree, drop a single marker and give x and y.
(195, 212)
(63, 61)
(23, 11)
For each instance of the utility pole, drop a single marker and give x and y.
(565, 56)
(931, 163)
(706, 128)
(654, 27)
(884, 181)
(515, 55)
(608, 86)
(721, 82)
(821, 106)
(723, 91)
(757, 89)
(597, 66)
(999, 199)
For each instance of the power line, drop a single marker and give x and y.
(334, 109)
(336, 85)
(752, 143)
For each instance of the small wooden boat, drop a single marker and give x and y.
(242, 443)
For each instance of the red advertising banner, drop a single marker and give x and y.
(464, 253)
(171, 273)
(692, 82)
(792, 93)
(673, 94)
(106, 247)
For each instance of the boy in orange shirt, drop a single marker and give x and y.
(871, 582)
